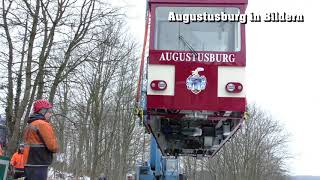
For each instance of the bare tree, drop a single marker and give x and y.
(43, 42)
(257, 152)
(100, 108)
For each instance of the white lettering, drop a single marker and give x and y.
(199, 17)
(232, 58)
(212, 59)
(162, 58)
(171, 17)
(197, 57)
(188, 57)
(218, 57)
(186, 18)
(179, 18)
(224, 18)
(206, 57)
(200, 57)
(193, 17)
(217, 17)
(175, 56)
(167, 55)
(205, 17)
(194, 57)
(182, 56)
(225, 58)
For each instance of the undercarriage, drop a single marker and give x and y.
(192, 133)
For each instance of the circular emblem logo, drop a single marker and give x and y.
(196, 83)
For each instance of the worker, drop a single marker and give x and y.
(17, 163)
(40, 141)
(102, 177)
(1, 151)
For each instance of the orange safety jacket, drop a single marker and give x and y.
(1, 151)
(40, 142)
(17, 161)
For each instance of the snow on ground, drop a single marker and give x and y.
(56, 175)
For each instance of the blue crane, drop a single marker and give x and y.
(158, 167)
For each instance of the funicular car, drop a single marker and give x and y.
(192, 77)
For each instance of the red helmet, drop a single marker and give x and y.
(41, 104)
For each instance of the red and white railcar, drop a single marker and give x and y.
(192, 76)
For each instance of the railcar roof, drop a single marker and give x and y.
(200, 1)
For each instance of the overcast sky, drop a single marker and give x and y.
(282, 71)
(283, 75)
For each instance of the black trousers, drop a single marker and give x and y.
(18, 173)
(36, 173)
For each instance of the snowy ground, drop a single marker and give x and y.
(55, 175)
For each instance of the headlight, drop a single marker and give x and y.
(162, 85)
(230, 87)
(234, 87)
(158, 85)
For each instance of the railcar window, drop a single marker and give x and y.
(201, 36)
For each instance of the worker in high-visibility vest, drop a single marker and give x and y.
(1, 151)
(17, 162)
(40, 141)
